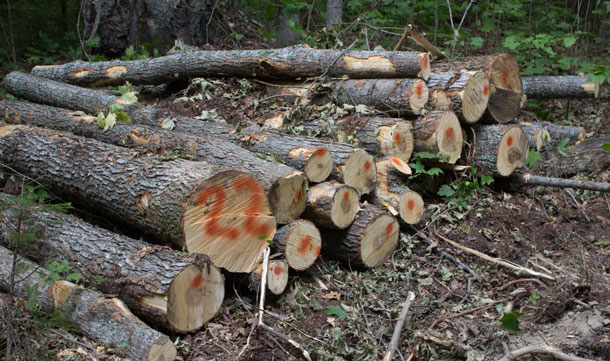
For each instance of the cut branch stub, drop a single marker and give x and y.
(277, 276)
(500, 148)
(332, 205)
(300, 242)
(464, 92)
(439, 132)
(359, 171)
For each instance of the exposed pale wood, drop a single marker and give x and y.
(576, 86)
(438, 132)
(300, 242)
(411, 31)
(529, 179)
(500, 148)
(292, 62)
(277, 276)
(464, 92)
(393, 193)
(359, 171)
(398, 329)
(104, 320)
(332, 205)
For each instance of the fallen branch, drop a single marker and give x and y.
(415, 35)
(401, 320)
(553, 351)
(560, 182)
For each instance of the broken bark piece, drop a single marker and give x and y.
(438, 132)
(300, 243)
(291, 62)
(277, 277)
(332, 205)
(500, 148)
(466, 93)
(368, 242)
(158, 198)
(104, 320)
(575, 86)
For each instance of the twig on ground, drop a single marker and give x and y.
(461, 265)
(535, 280)
(398, 329)
(533, 349)
(287, 339)
(582, 210)
(472, 310)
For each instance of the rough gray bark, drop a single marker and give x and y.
(529, 179)
(291, 62)
(334, 12)
(499, 148)
(285, 34)
(537, 134)
(559, 87)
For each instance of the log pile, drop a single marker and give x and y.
(202, 186)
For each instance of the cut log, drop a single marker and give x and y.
(505, 90)
(367, 243)
(559, 87)
(300, 242)
(179, 292)
(332, 205)
(393, 193)
(286, 187)
(438, 132)
(178, 201)
(465, 92)
(500, 148)
(291, 62)
(539, 134)
(529, 179)
(105, 320)
(277, 277)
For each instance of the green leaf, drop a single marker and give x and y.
(101, 119)
(337, 311)
(561, 147)
(115, 108)
(532, 158)
(123, 344)
(533, 298)
(434, 171)
(606, 146)
(93, 43)
(424, 155)
(602, 243)
(487, 179)
(510, 321)
(109, 122)
(477, 42)
(569, 41)
(446, 191)
(123, 117)
(75, 277)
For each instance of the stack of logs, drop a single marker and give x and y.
(200, 187)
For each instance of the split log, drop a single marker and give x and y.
(505, 90)
(466, 93)
(438, 132)
(393, 193)
(290, 62)
(105, 320)
(368, 242)
(179, 292)
(277, 277)
(332, 205)
(549, 134)
(184, 202)
(559, 87)
(285, 187)
(499, 148)
(300, 242)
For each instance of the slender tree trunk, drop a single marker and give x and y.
(334, 12)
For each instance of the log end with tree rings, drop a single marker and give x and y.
(418, 95)
(332, 205)
(475, 98)
(506, 89)
(277, 276)
(164, 349)
(300, 242)
(425, 66)
(345, 206)
(411, 207)
(193, 298)
(359, 171)
(400, 165)
(402, 140)
(319, 165)
(591, 88)
(449, 136)
(379, 240)
(288, 197)
(512, 151)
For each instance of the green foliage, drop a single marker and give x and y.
(561, 147)
(336, 311)
(419, 168)
(534, 297)
(510, 321)
(141, 52)
(606, 146)
(532, 158)
(461, 190)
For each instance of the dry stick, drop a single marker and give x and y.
(401, 320)
(501, 262)
(415, 35)
(560, 182)
(535, 280)
(582, 210)
(553, 351)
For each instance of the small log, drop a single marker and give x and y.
(466, 93)
(529, 179)
(559, 87)
(105, 320)
(277, 277)
(291, 62)
(300, 242)
(368, 242)
(177, 291)
(500, 148)
(332, 205)
(393, 193)
(505, 90)
(438, 132)
(178, 201)
(549, 134)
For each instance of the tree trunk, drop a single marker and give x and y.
(286, 187)
(559, 87)
(277, 277)
(334, 12)
(500, 148)
(105, 320)
(438, 132)
(549, 134)
(291, 62)
(171, 200)
(332, 205)
(189, 286)
(300, 243)
(367, 243)
(285, 34)
(465, 92)
(505, 89)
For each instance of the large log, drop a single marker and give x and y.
(367, 243)
(300, 242)
(438, 132)
(332, 205)
(499, 148)
(550, 135)
(105, 320)
(466, 93)
(505, 90)
(575, 86)
(286, 187)
(180, 292)
(184, 202)
(291, 62)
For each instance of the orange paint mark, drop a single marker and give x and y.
(213, 229)
(320, 152)
(397, 138)
(304, 245)
(396, 161)
(318, 250)
(426, 61)
(346, 196)
(411, 204)
(257, 197)
(505, 76)
(419, 90)
(509, 141)
(389, 228)
(486, 90)
(197, 281)
(277, 270)
(449, 132)
(298, 195)
(367, 165)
